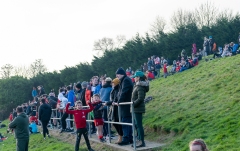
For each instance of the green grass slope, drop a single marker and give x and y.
(36, 143)
(202, 102)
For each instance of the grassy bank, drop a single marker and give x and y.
(202, 102)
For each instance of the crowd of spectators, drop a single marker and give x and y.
(108, 92)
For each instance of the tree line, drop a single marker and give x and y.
(187, 27)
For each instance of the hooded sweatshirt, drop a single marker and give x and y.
(63, 100)
(20, 126)
(45, 112)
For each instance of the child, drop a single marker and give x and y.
(198, 145)
(11, 117)
(97, 112)
(165, 70)
(33, 127)
(80, 122)
(33, 118)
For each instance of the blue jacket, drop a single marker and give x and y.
(33, 125)
(71, 97)
(34, 93)
(97, 89)
(105, 93)
(235, 47)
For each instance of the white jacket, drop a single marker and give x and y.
(63, 100)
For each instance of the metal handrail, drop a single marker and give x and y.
(110, 122)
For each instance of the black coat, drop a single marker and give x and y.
(124, 95)
(113, 111)
(82, 97)
(45, 112)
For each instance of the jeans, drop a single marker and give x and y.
(127, 130)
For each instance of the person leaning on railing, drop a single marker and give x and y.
(140, 89)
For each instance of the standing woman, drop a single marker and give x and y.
(140, 89)
(113, 113)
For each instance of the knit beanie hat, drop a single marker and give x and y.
(84, 84)
(116, 81)
(120, 71)
(78, 85)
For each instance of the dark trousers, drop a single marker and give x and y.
(127, 130)
(80, 132)
(105, 125)
(63, 120)
(44, 127)
(139, 126)
(118, 127)
(22, 145)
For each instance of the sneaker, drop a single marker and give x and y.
(69, 130)
(102, 140)
(44, 138)
(62, 130)
(142, 144)
(48, 136)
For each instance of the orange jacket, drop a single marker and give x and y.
(88, 96)
(214, 47)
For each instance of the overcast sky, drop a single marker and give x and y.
(62, 32)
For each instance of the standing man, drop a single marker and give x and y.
(20, 126)
(125, 94)
(45, 112)
(34, 93)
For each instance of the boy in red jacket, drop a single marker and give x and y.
(80, 122)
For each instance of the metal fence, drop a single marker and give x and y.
(108, 121)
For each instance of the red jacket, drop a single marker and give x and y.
(150, 75)
(10, 117)
(80, 115)
(88, 96)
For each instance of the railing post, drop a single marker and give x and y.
(133, 127)
(109, 130)
(119, 113)
(89, 124)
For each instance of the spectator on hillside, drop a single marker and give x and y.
(71, 99)
(113, 111)
(40, 90)
(198, 145)
(140, 89)
(149, 63)
(33, 118)
(145, 67)
(34, 93)
(184, 54)
(20, 126)
(105, 97)
(194, 49)
(45, 112)
(165, 71)
(78, 88)
(62, 107)
(10, 117)
(205, 47)
(88, 94)
(211, 42)
(226, 51)
(33, 127)
(82, 96)
(124, 95)
(157, 69)
(234, 49)
(150, 76)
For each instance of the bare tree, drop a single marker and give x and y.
(225, 14)
(37, 67)
(158, 26)
(182, 18)
(121, 40)
(22, 71)
(206, 14)
(6, 71)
